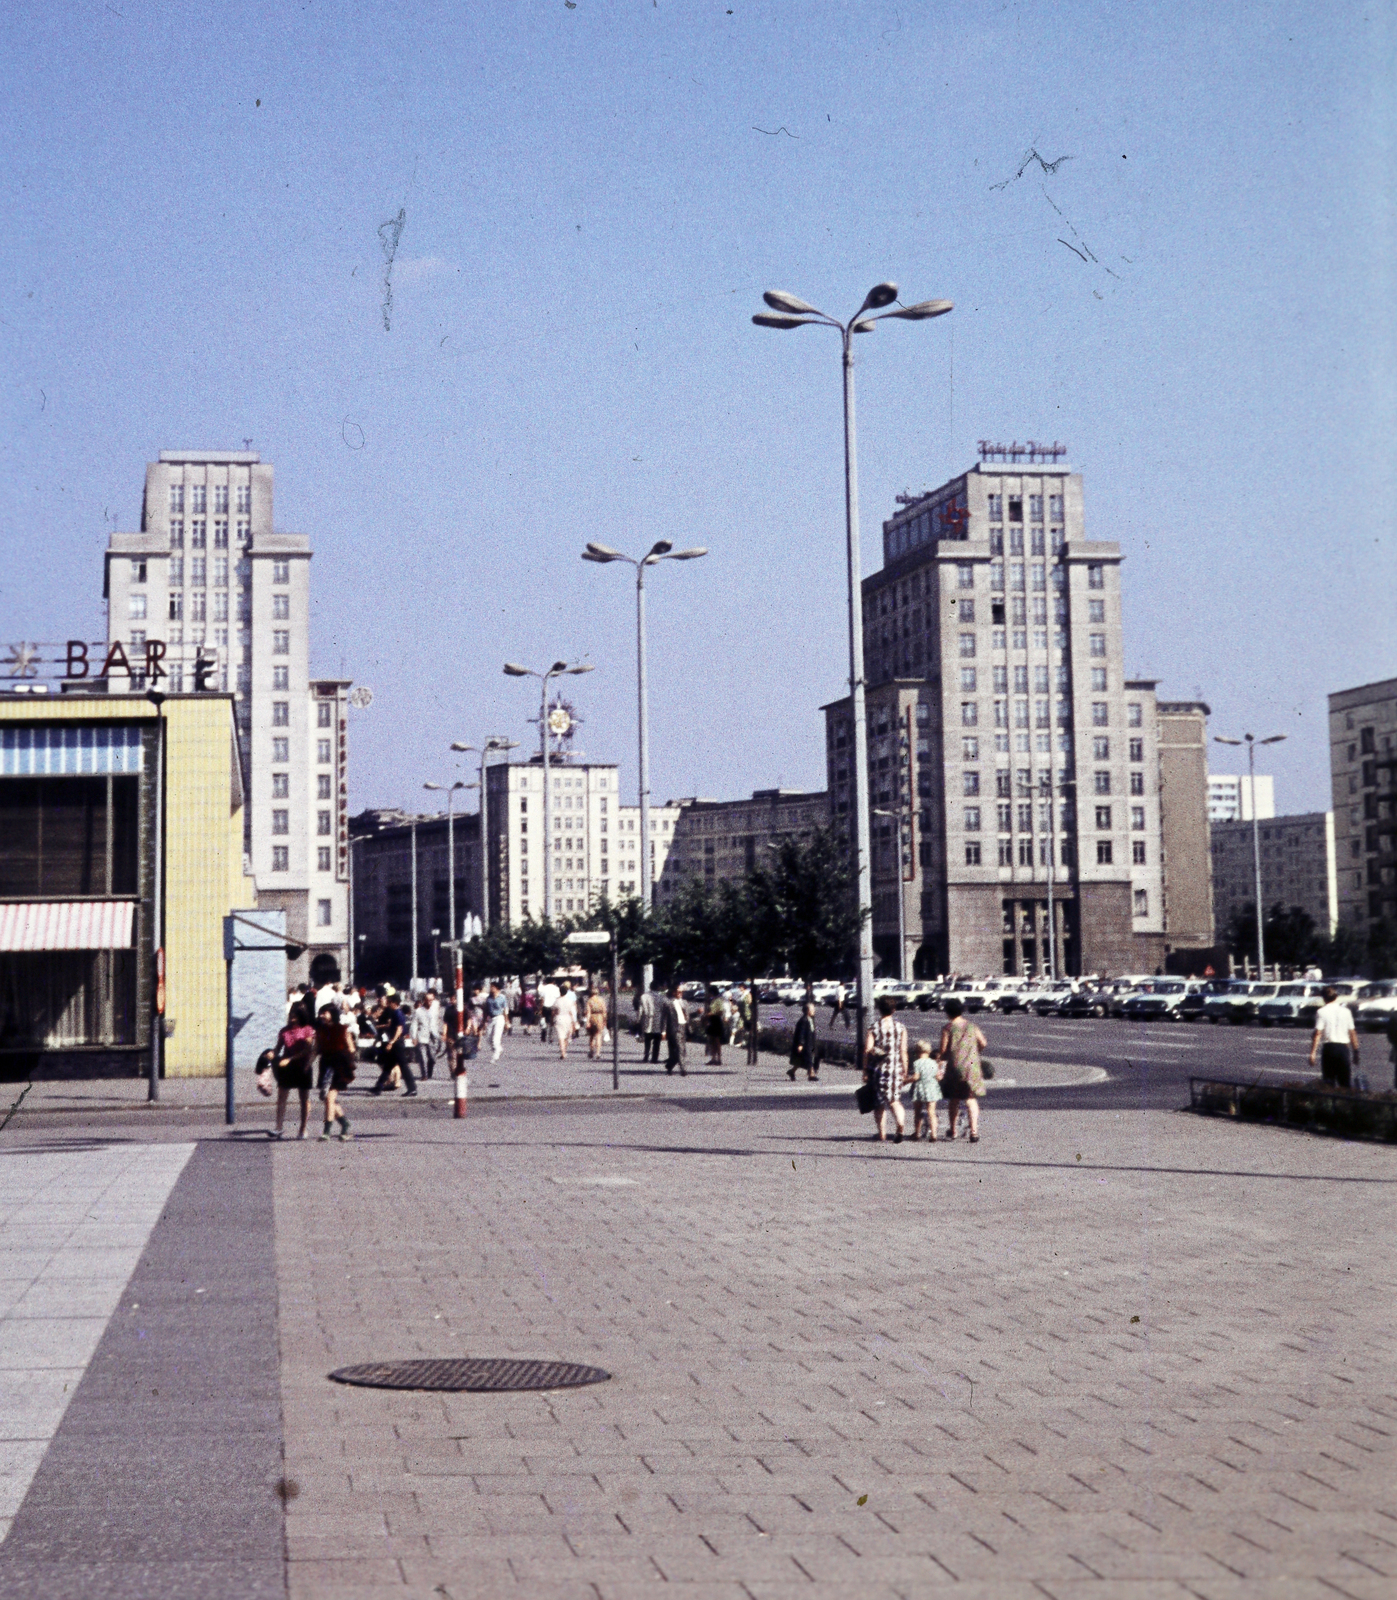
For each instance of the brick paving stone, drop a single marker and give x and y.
(945, 1330)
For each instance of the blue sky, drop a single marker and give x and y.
(594, 198)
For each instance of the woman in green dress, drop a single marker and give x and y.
(962, 1081)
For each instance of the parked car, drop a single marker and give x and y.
(1293, 1003)
(1121, 989)
(1229, 1004)
(1014, 997)
(1050, 996)
(932, 998)
(971, 998)
(1161, 1003)
(1084, 1003)
(1376, 1006)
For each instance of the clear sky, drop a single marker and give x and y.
(1198, 300)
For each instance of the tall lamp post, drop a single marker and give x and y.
(1251, 742)
(792, 312)
(661, 550)
(898, 817)
(559, 669)
(496, 741)
(1067, 786)
(450, 789)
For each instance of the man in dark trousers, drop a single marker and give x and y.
(805, 1045)
(392, 1026)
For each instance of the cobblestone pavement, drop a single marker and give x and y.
(1109, 1353)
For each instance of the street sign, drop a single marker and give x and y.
(586, 936)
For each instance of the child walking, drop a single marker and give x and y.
(926, 1091)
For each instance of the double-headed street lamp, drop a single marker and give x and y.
(661, 550)
(1251, 742)
(791, 312)
(559, 669)
(496, 741)
(450, 789)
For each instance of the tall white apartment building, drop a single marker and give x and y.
(595, 838)
(1229, 797)
(209, 576)
(1002, 726)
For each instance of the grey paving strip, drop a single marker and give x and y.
(162, 1477)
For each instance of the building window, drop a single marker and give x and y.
(1021, 713)
(198, 529)
(1016, 576)
(1025, 852)
(967, 678)
(281, 572)
(322, 786)
(220, 605)
(1103, 782)
(1039, 576)
(322, 750)
(281, 641)
(1006, 852)
(970, 783)
(280, 822)
(244, 532)
(1003, 810)
(1100, 714)
(1142, 903)
(1096, 576)
(177, 535)
(177, 497)
(1103, 852)
(969, 713)
(281, 677)
(965, 575)
(176, 605)
(280, 749)
(1133, 715)
(325, 715)
(967, 644)
(280, 786)
(1137, 818)
(220, 533)
(996, 505)
(969, 747)
(280, 858)
(972, 819)
(220, 572)
(1137, 852)
(967, 613)
(198, 571)
(136, 607)
(322, 823)
(1001, 719)
(281, 714)
(1101, 749)
(1137, 783)
(972, 853)
(1016, 541)
(1137, 749)
(220, 497)
(997, 576)
(1098, 644)
(322, 913)
(281, 607)
(1103, 818)
(200, 495)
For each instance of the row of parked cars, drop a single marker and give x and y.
(1162, 999)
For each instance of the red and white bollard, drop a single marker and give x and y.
(462, 1083)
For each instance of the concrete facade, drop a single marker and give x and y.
(208, 572)
(722, 841)
(1297, 867)
(1363, 766)
(1000, 718)
(1184, 810)
(1229, 797)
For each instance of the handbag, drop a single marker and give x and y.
(263, 1069)
(986, 1067)
(866, 1098)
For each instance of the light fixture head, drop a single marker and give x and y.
(922, 310)
(661, 547)
(514, 670)
(558, 666)
(880, 295)
(457, 745)
(581, 667)
(432, 785)
(690, 555)
(763, 320)
(864, 325)
(779, 300)
(1218, 739)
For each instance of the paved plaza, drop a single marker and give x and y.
(1106, 1351)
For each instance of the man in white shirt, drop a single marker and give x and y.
(548, 993)
(1335, 1041)
(421, 1035)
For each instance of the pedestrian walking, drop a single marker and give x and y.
(295, 1045)
(565, 1018)
(393, 1049)
(652, 1005)
(926, 1091)
(337, 1055)
(840, 1009)
(596, 1023)
(496, 1020)
(675, 1027)
(885, 1051)
(714, 1022)
(1335, 1041)
(548, 996)
(805, 1044)
(422, 1036)
(962, 1075)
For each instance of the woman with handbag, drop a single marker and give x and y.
(963, 1078)
(885, 1051)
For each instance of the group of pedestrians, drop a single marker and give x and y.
(956, 1073)
(664, 1019)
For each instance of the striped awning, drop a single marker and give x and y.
(67, 925)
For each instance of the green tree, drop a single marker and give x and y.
(807, 900)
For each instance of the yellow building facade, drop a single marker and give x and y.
(121, 850)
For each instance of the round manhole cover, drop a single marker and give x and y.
(481, 1374)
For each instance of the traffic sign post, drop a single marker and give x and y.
(601, 936)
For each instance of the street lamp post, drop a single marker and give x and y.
(1067, 785)
(897, 817)
(1251, 742)
(559, 669)
(412, 987)
(792, 312)
(661, 550)
(496, 741)
(450, 789)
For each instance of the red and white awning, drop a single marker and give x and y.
(67, 925)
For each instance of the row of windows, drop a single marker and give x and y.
(1024, 817)
(281, 780)
(281, 821)
(198, 497)
(1067, 856)
(1036, 543)
(1035, 507)
(198, 533)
